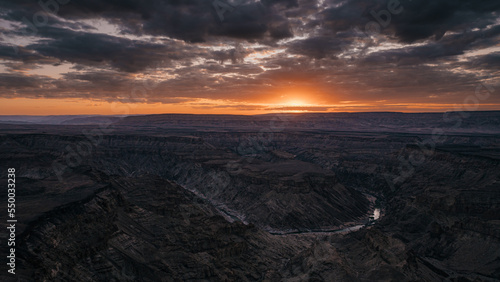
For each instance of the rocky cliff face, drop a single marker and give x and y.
(441, 224)
(276, 194)
(127, 232)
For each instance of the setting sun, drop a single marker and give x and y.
(296, 103)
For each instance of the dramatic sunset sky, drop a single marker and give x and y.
(247, 56)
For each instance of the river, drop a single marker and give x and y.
(375, 216)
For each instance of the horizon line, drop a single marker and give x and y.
(290, 113)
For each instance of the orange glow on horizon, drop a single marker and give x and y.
(25, 106)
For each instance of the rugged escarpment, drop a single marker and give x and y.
(441, 224)
(474, 122)
(273, 193)
(142, 229)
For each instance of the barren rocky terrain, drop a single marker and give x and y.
(256, 198)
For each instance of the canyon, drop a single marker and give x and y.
(255, 198)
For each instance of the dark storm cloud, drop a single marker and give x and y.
(97, 85)
(317, 47)
(346, 23)
(423, 19)
(91, 49)
(190, 20)
(345, 15)
(23, 54)
(102, 50)
(418, 19)
(446, 48)
(287, 3)
(234, 55)
(414, 55)
(253, 21)
(108, 80)
(194, 20)
(8, 81)
(488, 62)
